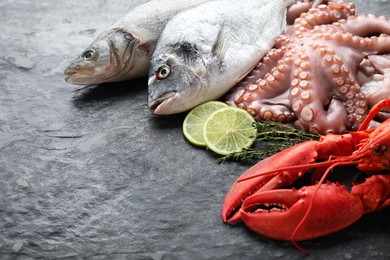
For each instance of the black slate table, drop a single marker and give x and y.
(91, 173)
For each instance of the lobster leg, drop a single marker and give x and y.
(281, 214)
(374, 192)
(266, 176)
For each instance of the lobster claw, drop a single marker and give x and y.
(294, 215)
(313, 211)
(301, 154)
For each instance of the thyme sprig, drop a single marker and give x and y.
(275, 131)
(272, 137)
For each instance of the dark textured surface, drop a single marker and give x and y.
(91, 173)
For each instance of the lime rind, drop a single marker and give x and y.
(194, 121)
(229, 130)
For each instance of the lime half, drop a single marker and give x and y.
(229, 130)
(194, 121)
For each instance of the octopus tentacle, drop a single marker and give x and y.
(355, 103)
(382, 88)
(380, 44)
(317, 114)
(269, 61)
(282, 42)
(322, 60)
(369, 45)
(335, 110)
(365, 25)
(324, 14)
(257, 97)
(296, 10)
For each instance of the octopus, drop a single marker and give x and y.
(323, 74)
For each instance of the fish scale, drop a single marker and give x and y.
(123, 51)
(205, 51)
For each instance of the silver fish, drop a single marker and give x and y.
(124, 50)
(205, 51)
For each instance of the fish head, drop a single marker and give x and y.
(178, 79)
(110, 58)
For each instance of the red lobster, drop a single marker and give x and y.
(314, 211)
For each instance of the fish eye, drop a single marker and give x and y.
(128, 37)
(163, 72)
(88, 55)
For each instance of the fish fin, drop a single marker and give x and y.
(221, 46)
(240, 77)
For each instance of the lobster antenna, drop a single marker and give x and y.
(303, 166)
(320, 182)
(374, 111)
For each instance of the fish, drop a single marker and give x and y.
(205, 51)
(123, 51)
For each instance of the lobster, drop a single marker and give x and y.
(259, 197)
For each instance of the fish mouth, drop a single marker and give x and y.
(75, 77)
(160, 105)
(69, 73)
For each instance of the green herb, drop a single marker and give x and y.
(275, 131)
(272, 137)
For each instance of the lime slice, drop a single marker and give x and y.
(194, 121)
(229, 130)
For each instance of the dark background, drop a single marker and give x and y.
(91, 173)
